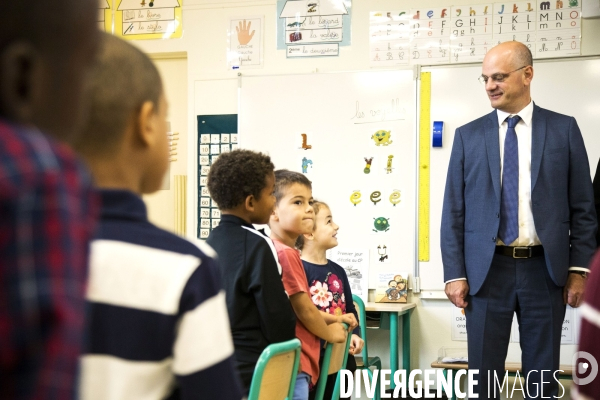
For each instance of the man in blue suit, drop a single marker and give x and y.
(518, 225)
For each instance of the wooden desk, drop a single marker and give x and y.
(393, 311)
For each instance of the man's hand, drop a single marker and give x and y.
(336, 333)
(573, 291)
(349, 319)
(356, 345)
(457, 292)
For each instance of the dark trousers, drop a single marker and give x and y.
(350, 366)
(246, 372)
(523, 286)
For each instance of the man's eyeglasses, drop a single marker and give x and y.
(499, 77)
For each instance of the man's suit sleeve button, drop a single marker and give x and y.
(494, 239)
(497, 215)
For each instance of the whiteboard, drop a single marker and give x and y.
(339, 113)
(566, 86)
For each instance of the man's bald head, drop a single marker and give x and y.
(508, 73)
(46, 47)
(517, 52)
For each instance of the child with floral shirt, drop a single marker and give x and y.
(327, 281)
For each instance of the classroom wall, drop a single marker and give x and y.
(161, 204)
(212, 89)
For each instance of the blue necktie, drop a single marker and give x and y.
(509, 206)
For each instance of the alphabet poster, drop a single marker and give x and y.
(471, 33)
(464, 33)
(515, 21)
(389, 38)
(558, 29)
(148, 19)
(429, 39)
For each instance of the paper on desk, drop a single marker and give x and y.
(455, 359)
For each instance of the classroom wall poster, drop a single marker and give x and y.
(104, 16)
(148, 19)
(465, 33)
(356, 264)
(459, 324)
(558, 29)
(217, 134)
(471, 32)
(389, 38)
(429, 38)
(245, 43)
(515, 21)
(313, 28)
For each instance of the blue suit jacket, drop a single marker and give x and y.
(562, 197)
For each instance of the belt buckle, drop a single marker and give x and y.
(521, 248)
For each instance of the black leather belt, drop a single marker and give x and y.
(520, 251)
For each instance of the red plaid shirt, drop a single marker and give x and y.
(47, 214)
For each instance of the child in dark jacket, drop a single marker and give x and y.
(241, 183)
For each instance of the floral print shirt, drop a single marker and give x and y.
(329, 289)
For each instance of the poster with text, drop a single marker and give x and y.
(309, 28)
(148, 19)
(356, 264)
(459, 324)
(245, 39)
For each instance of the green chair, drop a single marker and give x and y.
(366, 362)
(334, 359)
(275, 373)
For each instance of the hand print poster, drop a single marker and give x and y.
(245, 49)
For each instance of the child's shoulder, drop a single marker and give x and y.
(145, 234)
(285, 249)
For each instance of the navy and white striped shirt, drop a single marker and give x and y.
(158, 324)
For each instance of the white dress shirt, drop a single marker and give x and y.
(527, 233)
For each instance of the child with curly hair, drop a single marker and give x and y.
(242, 183)
(329, 286)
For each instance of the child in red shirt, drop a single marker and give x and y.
(292, 217)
